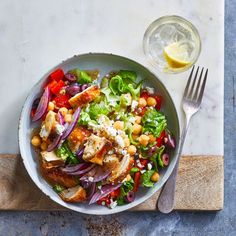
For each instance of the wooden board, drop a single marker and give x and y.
(200, 186)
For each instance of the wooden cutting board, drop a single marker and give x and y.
(200, 186)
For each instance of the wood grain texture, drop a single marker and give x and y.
(200, 186)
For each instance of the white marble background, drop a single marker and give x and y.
(36, 35)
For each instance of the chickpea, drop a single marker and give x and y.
(118, 125)
(142, 102)
(68, 118)
(132, 150)
(138, 119)
(44, 146)
(128, 177)
(152, 139)
(36, 141)
(134, 136)
(51, 106)
(143, 139)
(127, 142)
(63, 110)
(151, 102)
(137, 129)
(155, 177)
(70, 111)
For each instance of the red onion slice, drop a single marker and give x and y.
(71, 126)
(54, 144)
(74, 168)
(97, 175)
(90, 188)
(105, 190)
(60, 118)
(43, 105)
(81, 172)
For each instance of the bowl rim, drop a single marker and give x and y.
(42, 186)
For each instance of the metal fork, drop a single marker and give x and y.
(192, 99)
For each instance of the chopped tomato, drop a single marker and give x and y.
(61, 100)
(57, 87)
(144, 95)
(140, 110)
(51, 84)
(106, 199)
(115, 193)
(158, 101)
(159, 140)
(137, 176)
(143, 162)
(56, 75)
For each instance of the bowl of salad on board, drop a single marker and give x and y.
(99, 133)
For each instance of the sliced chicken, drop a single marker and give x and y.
(48, 125)
(122, 170)
(111, 161)
(56, 176)
(83, 98)
(77, 138)
(51, 160)
(96, 148)
(75, 194)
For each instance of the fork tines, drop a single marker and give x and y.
(195, 92)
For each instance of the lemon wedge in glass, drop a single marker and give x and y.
(176, 55)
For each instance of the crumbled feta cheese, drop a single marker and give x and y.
(123, 152)
(99, 187)
(111, 131)
(139, 165)
(120, 141)
(132, 120)
(143, 171)
(90, 178)
(43, 132)
(134, 104)
(150, 90)
(149, 166)
(113, 204)
(59, 129)
(110, 152)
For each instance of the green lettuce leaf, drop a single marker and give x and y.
(66, 154)
(146, 178)
(125, 188)
(126, 74)
(82, 76)
(154, 122)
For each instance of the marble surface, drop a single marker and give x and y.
(36, 35)
(68, 223)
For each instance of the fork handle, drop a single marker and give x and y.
(167, 196)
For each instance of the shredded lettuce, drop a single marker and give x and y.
(66, 154)
(146, 178)
(126, 74)
(82, 76)
(156, 158)
(119, 85)
(84, 118)
(116, 85)
(125, 188)
(154, 122)
(96, 109)
(58, 188)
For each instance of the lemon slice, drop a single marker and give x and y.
(176, 55)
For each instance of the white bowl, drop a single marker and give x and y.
(105, 63)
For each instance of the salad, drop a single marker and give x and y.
(100, 142)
